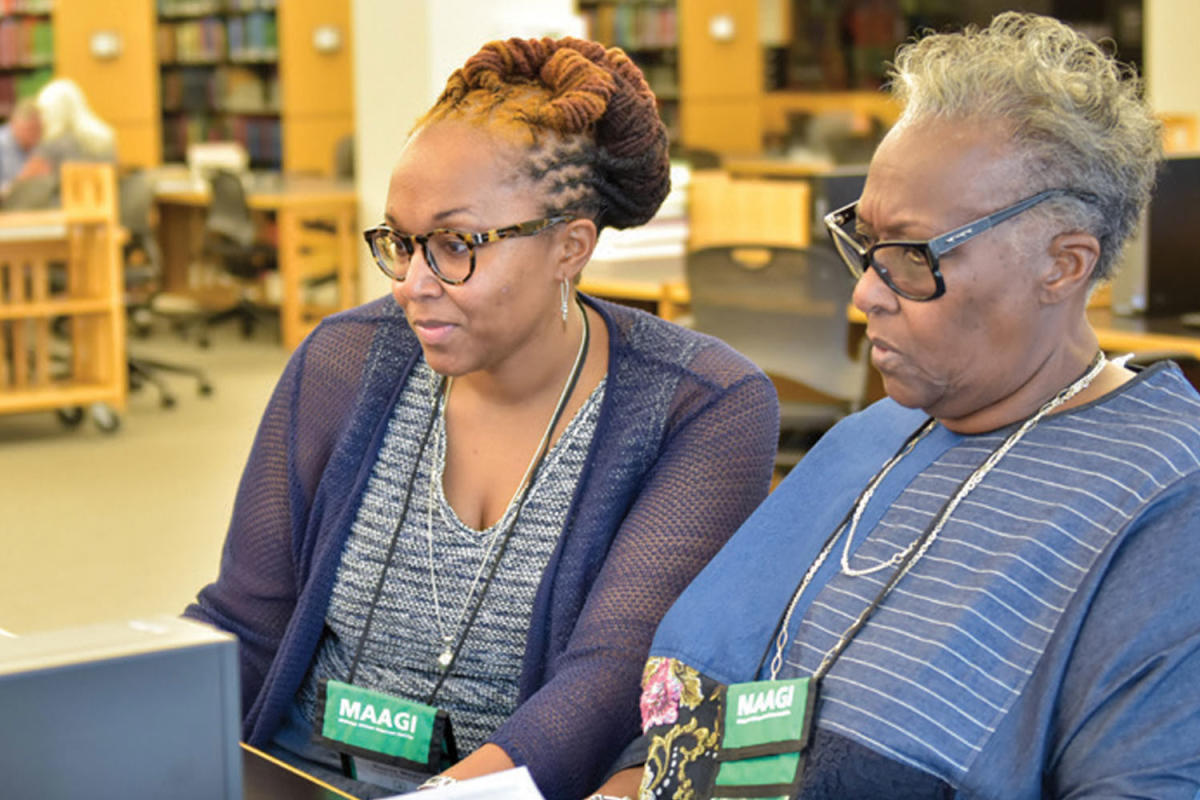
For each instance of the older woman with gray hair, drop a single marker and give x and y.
(985, 585)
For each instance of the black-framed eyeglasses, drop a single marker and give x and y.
(449, 253)
(912, 269)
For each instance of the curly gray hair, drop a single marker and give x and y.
(1076, 114)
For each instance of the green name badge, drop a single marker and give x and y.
(767, 729)
(378, 726)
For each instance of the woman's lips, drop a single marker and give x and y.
(882, 354)
(433, 331)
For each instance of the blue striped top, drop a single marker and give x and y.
(1044, 643)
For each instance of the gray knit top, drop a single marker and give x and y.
(435, 547)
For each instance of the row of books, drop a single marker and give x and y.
(201, 8)
(26, 6)
(26, 42)
(253, 36)
(231, 89)
(260, 137)
(22, 84)
(633, 27)
(246, 37)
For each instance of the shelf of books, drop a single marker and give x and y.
(220, 76)
(648, 31)
(26, 50)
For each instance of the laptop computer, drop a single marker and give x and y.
(133, 709)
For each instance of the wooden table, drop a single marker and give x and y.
(769, 167)
(303, 253)
(655, 281)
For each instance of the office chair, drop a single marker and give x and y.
(785, 309)
(143, 280)
(230, 240)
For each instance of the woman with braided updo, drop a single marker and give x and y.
(476, 498)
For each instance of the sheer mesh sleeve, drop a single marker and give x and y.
(266, 551)
(712, 470)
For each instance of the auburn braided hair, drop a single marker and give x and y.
(583, 112)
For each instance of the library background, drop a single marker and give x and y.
(136, 356)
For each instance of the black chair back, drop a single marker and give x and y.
(785, 309)
(228, 213)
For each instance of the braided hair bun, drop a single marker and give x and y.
(607, 156)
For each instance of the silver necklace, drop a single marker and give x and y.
(923, 543)
(446, 656)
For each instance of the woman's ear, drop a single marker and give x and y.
(1073, 260)
(577, 241)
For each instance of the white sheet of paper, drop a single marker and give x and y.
(511, 784)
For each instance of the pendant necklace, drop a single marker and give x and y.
(449, 650)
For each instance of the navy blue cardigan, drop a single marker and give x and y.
(682, 453)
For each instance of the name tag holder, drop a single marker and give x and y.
(768, 727)
(383, 728)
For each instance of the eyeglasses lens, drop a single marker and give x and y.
(449, 253)
(390, 254)
(452, 255)
(908, 269)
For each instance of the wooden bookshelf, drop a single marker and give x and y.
(220, 77)
(192, 70)
(26, 50)
(64, 265)
(648, 31)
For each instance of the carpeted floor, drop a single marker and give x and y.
(97, 526)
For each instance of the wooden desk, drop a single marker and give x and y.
(657, 282)
(1143, 335)
(267, 778)
(303, 253)
(765, 167)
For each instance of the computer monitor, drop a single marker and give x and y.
(1172, 239)
(134, 709)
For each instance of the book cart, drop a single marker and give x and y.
(62, 324)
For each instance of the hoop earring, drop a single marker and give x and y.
(566, 290)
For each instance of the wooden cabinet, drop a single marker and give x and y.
(62, 319)
(316, 73)
(721, 75)
(122, 85)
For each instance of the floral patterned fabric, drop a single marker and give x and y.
(681, 719)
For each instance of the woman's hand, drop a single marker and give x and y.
(622, 785)
(484, 761)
